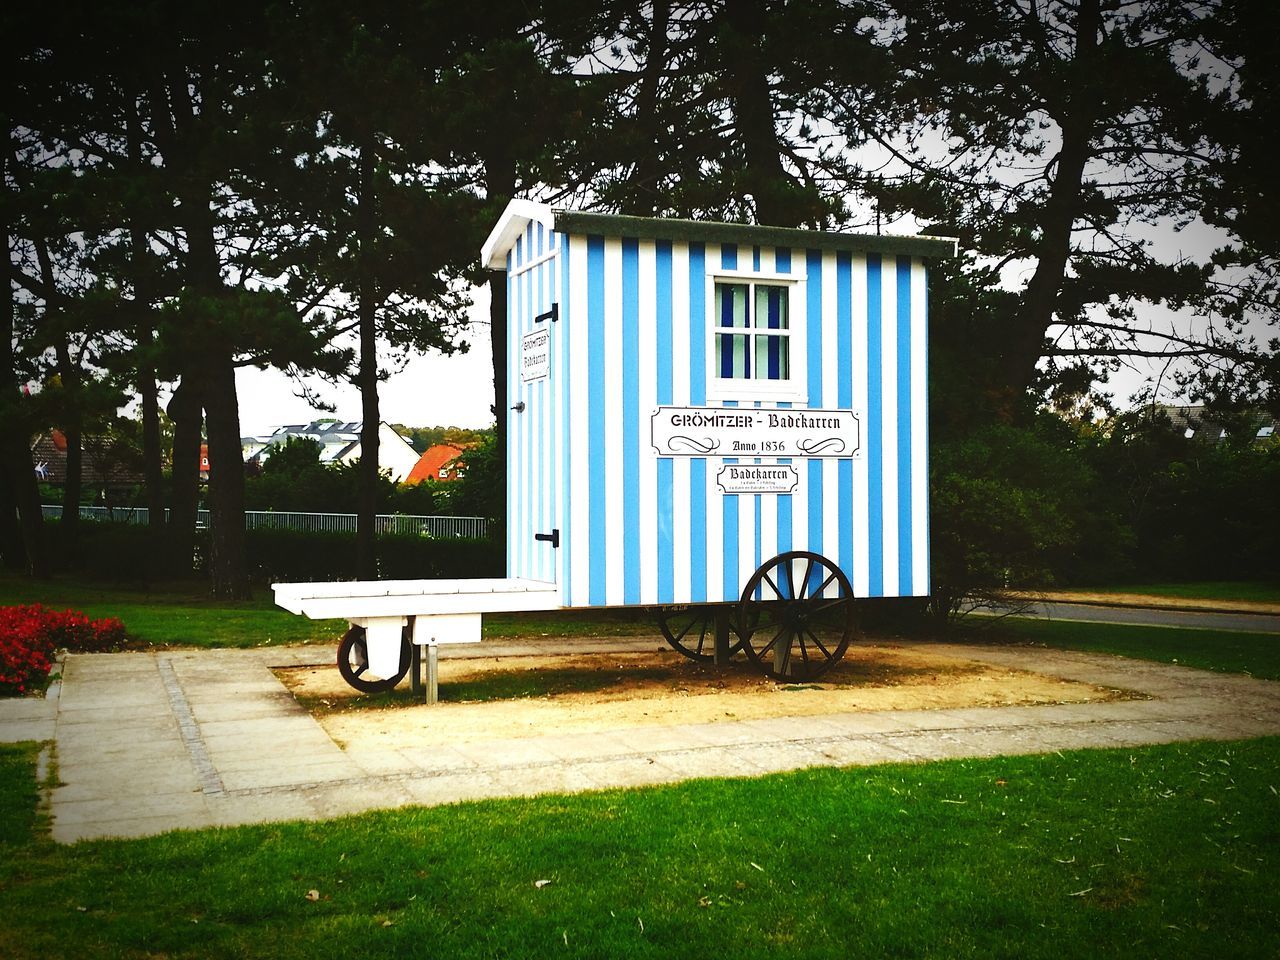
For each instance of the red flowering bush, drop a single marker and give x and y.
(29, 636)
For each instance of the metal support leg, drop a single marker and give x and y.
(433, 673)
(415, 670)
(722, 636)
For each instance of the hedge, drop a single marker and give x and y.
(125, 552)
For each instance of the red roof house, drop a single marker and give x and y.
(442, 463)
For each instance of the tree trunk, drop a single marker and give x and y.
(228, 566)
(214, 366)
(778, 201)
(185, 411)
(74, 435)
(152, 454)
(1025, 345)
(23, 491)
(500, 186)
(643, 196)
(72, 418)
(367, 376)
(12, 555)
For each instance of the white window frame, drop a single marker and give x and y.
(795, 389)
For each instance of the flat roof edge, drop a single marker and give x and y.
(516, 216)
(707, 231)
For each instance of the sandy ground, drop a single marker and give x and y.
(620, 690)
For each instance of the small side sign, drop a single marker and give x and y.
(757, 478)
(535, 355)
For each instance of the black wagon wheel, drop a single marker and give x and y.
(353, 662)
(801, 605)
(691, 630)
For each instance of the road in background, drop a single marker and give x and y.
(1138, 616)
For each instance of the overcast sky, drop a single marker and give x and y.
(431, 390)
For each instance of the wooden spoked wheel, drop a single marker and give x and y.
(353, 662)
(691, 630)
(801, 608)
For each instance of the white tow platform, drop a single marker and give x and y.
(436, 611)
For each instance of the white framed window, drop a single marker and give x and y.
(756, 348)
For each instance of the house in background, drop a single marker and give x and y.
(1194, 421)
(443, 463)
(339, 443)
(102, 466)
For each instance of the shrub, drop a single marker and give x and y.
(29, 635)
(293, 555)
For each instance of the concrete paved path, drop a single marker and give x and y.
(150, 742)
(1130, 615)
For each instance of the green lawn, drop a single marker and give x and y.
(1257, 654)
(1260, 591)
(1169, 851)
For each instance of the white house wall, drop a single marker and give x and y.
(632, 335)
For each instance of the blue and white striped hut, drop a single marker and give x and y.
(689, 399)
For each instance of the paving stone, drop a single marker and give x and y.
(709, 762)
(587, 746)
(17, 731)
(107, 781)
(128, 828)
(860, 724)
(232, 810)
(262, 708)
(15, 709)
(630, 772)
(129, 770)
(382, 762)
(138, 806)
(551, 778)
(268, 730)
(341, 800)
(292, 775)
(250, 757)
(453, 788)
(502, 753)
(659, 738)
(442, 759)
(776, 757)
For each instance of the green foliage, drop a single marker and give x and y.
(1007, 509)
(292, 478)
(422, 438)
(125, 553)
(482, 492)
(114, 552)
(292, 555)
(1198, 509)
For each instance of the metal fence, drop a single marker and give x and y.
(434, 527)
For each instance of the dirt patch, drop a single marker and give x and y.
(490, 698)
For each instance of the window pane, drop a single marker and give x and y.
(731, 305)
(773, 358)
(733, 360)
(771, 307)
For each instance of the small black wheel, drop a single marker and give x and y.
(801, 606)
(353, 662)
(691, 630)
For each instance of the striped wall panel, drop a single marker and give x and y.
(632, 335)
